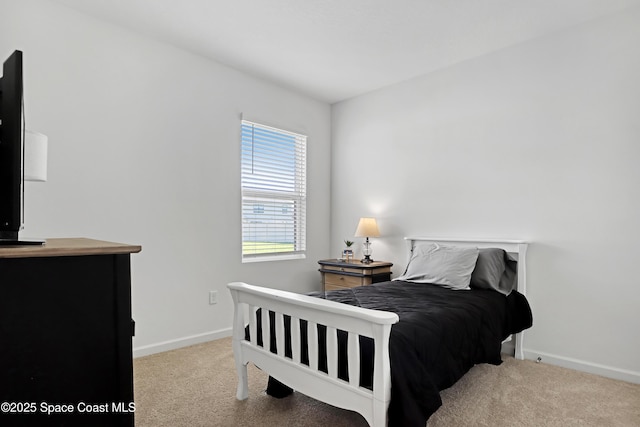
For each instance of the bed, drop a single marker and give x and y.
(347, 348)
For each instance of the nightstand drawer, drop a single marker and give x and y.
(328, 287)
(342, 281)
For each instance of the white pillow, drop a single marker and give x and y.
(448, 266)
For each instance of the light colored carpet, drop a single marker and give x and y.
(195, 386)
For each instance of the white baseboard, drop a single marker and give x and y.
(146, 350)
(581, 365)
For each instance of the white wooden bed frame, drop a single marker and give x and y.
(375, 324)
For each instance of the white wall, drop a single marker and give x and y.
(540, 141)
(144, 149)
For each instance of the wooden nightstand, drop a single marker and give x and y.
(338, 274)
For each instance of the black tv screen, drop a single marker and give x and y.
(12, 153)
(11, 143)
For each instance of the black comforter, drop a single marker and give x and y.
(441, 334)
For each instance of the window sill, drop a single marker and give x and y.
(273, 258)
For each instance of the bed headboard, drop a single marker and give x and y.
(517, 250)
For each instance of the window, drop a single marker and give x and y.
(274, 193)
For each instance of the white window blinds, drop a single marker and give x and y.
(274, 192)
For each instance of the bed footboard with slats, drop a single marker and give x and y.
(288, 367)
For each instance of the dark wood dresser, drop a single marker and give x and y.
(66, 334)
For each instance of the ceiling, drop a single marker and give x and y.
(333, 50)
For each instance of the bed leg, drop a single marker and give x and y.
(381, 375)
(379, 415)
(241, 368)
(519, 351)
(238, 336)
(243, 383)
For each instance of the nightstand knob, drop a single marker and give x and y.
(342, 269)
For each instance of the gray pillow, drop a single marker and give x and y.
(494, 270)
(448, 266)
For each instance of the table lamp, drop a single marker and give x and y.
(367, 227)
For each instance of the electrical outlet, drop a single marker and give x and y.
(213, 297)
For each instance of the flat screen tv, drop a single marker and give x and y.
(12, 152)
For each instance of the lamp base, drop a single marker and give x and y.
(366, 252)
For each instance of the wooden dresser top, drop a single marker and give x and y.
(68, 247)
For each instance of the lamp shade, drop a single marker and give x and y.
(35, 156)
(367, 227)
